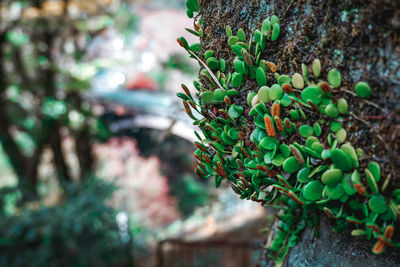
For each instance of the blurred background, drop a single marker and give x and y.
(96, 155)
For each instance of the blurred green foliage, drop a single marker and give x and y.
(45, 67)
(80, 231)
(180, 62)
(191, 193)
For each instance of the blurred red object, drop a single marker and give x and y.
(120, 111)
(141, 82)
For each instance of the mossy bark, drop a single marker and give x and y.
(360, 38)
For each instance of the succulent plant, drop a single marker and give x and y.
(260, 147)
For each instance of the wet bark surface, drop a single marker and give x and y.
(362, 40)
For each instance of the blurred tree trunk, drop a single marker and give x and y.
(44, 85)
(361, 39)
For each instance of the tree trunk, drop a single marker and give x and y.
(361, 39)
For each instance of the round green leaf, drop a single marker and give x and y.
(332, 177)
(313, 190)
(263, 94)
(219, 94)
(343, 106)
(275, 92)
(274, 20)
(331, 110)
(303, 175)
(335, 126)
(341, 159)
(297, 81)
(313, 94)
(237, 79)
(268, 143)
(212, 63)
(306, 131)
(193, 5)
(377, 204)
(334, 78)
(334, 192)
(291, 165)
(363, 90)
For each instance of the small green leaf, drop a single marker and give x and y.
(260, 77)
(237, 79)
(335, 126)
(377, 204)
(241, 35)
(263, 94)
(232, 40)
(317, 129)
(284, 79)
(312, 191)
(316, 67)
(274, 20)
(371, 181)
(291, 165)
(222, 64)
(303, 175)
(207, 96)
(228, 31)
(208, 54)
(312, 93)
(239, 65)
(348, 187)
(334, 78)
(349, 150)
(219, 94)
(189, 13)
(285, 150)
(297, 81)
(183, 96)
(212, 63)
(334, 192)
(275, 92)
(363, 90)
(266, 27)
(195, 47)
(275, 32)
(375, 169)
(332, 177)
(331, 110)
(268, 143)
(235, 111)
(237, 49)
(341, 160)
(306, 131)
(343, 106)
(305, 72)
(250, 96)
(193, 5)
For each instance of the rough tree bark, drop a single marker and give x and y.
(361, 39)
